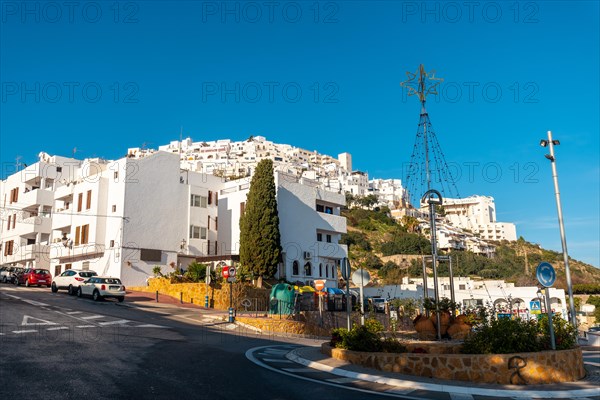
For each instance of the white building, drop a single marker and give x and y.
(478, 214)
(389, 191)
(470, 293)
(310, 225)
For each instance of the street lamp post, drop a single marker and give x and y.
(550, 143)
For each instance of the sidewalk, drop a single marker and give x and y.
(312, 357)
(148, 300)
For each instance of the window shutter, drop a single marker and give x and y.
(79, 201)
(77, 233)
(88, 202)
(14, 220)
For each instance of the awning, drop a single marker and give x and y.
(331, 290)
(304, 289)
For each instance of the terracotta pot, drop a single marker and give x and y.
(459, 330)
(425, 328)
(444, 321)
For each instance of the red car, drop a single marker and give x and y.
(34, 276)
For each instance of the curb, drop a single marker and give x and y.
(434, 387)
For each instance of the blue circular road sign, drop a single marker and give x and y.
(545, 274)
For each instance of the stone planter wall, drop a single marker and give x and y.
(218, 294)
(520, 369)
(283, 326)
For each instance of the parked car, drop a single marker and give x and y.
(377, 303)
(5, 271)
(13, 274)
(70, 280)
(34, 276)
(100, 287)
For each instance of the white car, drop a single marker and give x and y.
(100, 287)
(70, 280)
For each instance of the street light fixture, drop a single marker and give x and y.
(551, 143)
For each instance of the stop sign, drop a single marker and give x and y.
(225, 271)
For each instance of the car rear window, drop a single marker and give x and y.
(41, 271)
(112, 281)
(87, 274)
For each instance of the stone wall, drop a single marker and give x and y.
(218, 294)
(283, 326)
(520, 369)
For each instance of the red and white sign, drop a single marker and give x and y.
(319, 284)
(231, 272)
(225, 271)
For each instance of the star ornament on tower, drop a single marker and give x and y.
(421, 83)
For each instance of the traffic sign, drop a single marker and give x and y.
(345, 267)
(361, 277)
(231, 272)
(319, 284)
(225, 271)
(545, 274)
(535, 307)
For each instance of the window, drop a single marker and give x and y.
(112, 244)
(150, 255)
(85, 231)
(461, 287)
(8, 248)
(216, 223)
(328, 238)
(77, 235)
(320, 208)
(198, 201)
(209, 197)
(320, 270)
(14, 221)
(308, 269)
(14, 195)
(116, 175)
(79, 201)
(57, 270)
(216, 198)
(88, 200)
(242, 208)
(295, 268)
(333, 271)
(319, 237)
(208, 221)
(114, 208)
(326, 270)
(328, 210)
(9, 221)
(208, 247)
(197, 232)
(59, 169)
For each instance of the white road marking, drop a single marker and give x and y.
(279, 360)
(93, 317)
(25, 331)
(58, 328)
(26, 322)
(74, 312)
(149, 326)
(14, 297)
(34, 303)
(119, 322)
(593, 364)
(86, 326)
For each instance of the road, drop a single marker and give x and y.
(56, 346)
(60, 347)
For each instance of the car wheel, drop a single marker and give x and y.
(71, 291)
(54, 288)
(96, 296)
(120, 299)
(27, 283)
(79, 292)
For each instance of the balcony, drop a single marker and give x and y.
(62, 219)
(60, 252)
(330, 222)
(36, 197)
(32, 252)
(33, 225)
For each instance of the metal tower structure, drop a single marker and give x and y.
(427, 162)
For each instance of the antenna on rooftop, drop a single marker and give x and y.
(18, 162)
(422, 168)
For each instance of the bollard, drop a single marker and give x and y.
(181, 297)
(192, 300)
(231, 318)
(157, 296)
(206, 301)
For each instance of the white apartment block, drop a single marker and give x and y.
(310, 225)
(478, 214)
(122, 218)
(471, 293)
(389, 192)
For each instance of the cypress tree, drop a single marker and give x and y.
(260, 241)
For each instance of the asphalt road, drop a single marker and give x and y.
(55, 346)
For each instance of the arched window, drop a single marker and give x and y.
(326, 270)
(308, 269)
(320, 270)
(333, 271)
(295, 268)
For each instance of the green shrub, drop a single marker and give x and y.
(361, 339)
(391, 345)
(196, 272)
(504, 336)
(373, 325)
(565, 335)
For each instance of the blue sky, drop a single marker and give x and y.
(105, 76)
